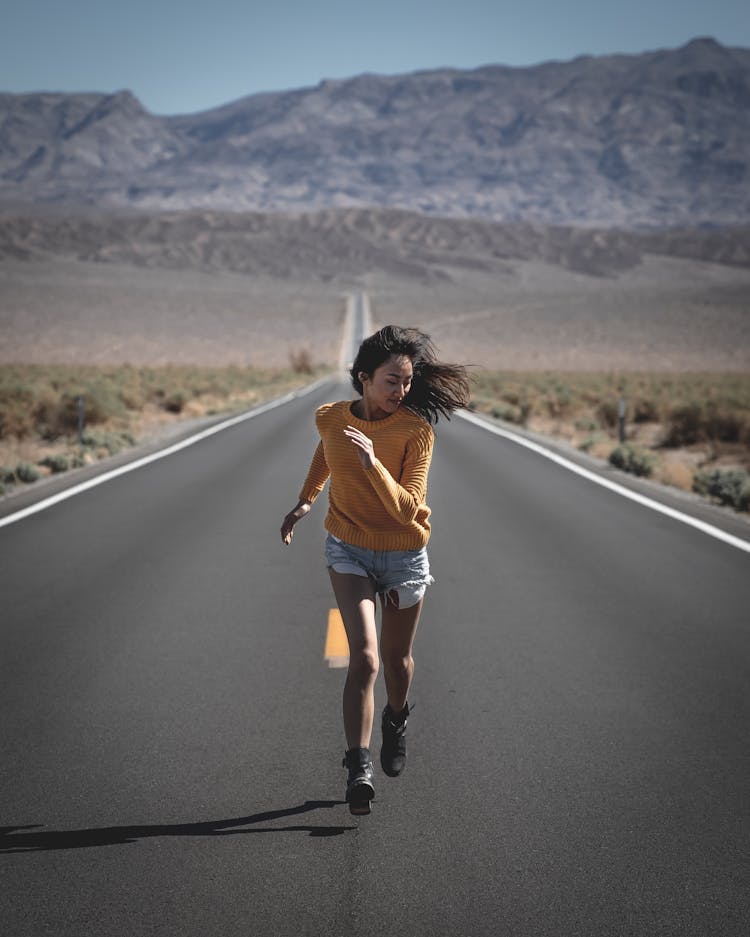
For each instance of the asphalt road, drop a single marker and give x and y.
(171, 738)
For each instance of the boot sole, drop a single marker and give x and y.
(359, 797)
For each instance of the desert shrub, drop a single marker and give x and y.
(727, 486)
(56, 416)
(41, 401)
(589, 442)
(722, 426)
(645, 411)
(16, 404)
(7, 475)
(676, 474)
(301, 361)
(112, 442)
(101, 402)
(559, 401)
(632, 459)
(684, 425)
(509, 413)
(586, 425)
(694, 422)
(607, 413)
(175, 402)
(56, 463)
(132, 386)
(27, 473)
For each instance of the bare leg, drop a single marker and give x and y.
(355, 596)
(398, 630)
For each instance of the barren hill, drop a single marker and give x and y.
(660, 139)
(249, 288)
(346, 244)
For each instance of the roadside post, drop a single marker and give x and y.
(621, 410)
(81, 420)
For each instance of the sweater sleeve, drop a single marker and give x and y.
(317, 476)
(402, 499)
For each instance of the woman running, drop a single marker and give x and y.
(377, 452)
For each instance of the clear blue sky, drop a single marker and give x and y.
(182, 56)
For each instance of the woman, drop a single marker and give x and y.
(377, 452)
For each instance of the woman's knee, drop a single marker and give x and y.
(364, 665)
(397, 663)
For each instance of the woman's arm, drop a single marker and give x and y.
(314, 483)
(402, 499)
(296, 514)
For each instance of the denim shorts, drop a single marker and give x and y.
(405, 571)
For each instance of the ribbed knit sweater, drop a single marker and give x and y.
(383, 507)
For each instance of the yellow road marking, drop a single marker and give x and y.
(337, 647)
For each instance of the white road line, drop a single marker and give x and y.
(345, 353)
(709, 529)
(161, 454)
(612, 486)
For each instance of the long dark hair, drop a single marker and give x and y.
(437, 389)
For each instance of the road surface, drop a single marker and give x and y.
(171, 734)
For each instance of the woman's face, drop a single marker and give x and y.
(384, 390)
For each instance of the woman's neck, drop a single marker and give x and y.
(363, 411)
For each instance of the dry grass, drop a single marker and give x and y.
(676, 473)
(554, 347)
(686, 423)
(689, 423)
(122, 405)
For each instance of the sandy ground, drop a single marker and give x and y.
(68, 312)
(664, 314)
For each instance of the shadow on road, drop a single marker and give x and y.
(33, 839)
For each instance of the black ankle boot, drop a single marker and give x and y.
(359, 787)
(393, 751)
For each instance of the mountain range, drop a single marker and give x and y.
(656, 140)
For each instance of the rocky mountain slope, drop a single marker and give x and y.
(659, 139)
(346, 243)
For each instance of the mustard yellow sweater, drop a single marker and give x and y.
(381, 508)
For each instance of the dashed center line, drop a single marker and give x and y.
(337, 647)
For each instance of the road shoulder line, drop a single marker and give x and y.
(137, 463)
(643, 500)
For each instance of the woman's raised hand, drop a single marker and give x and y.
(364, 446)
